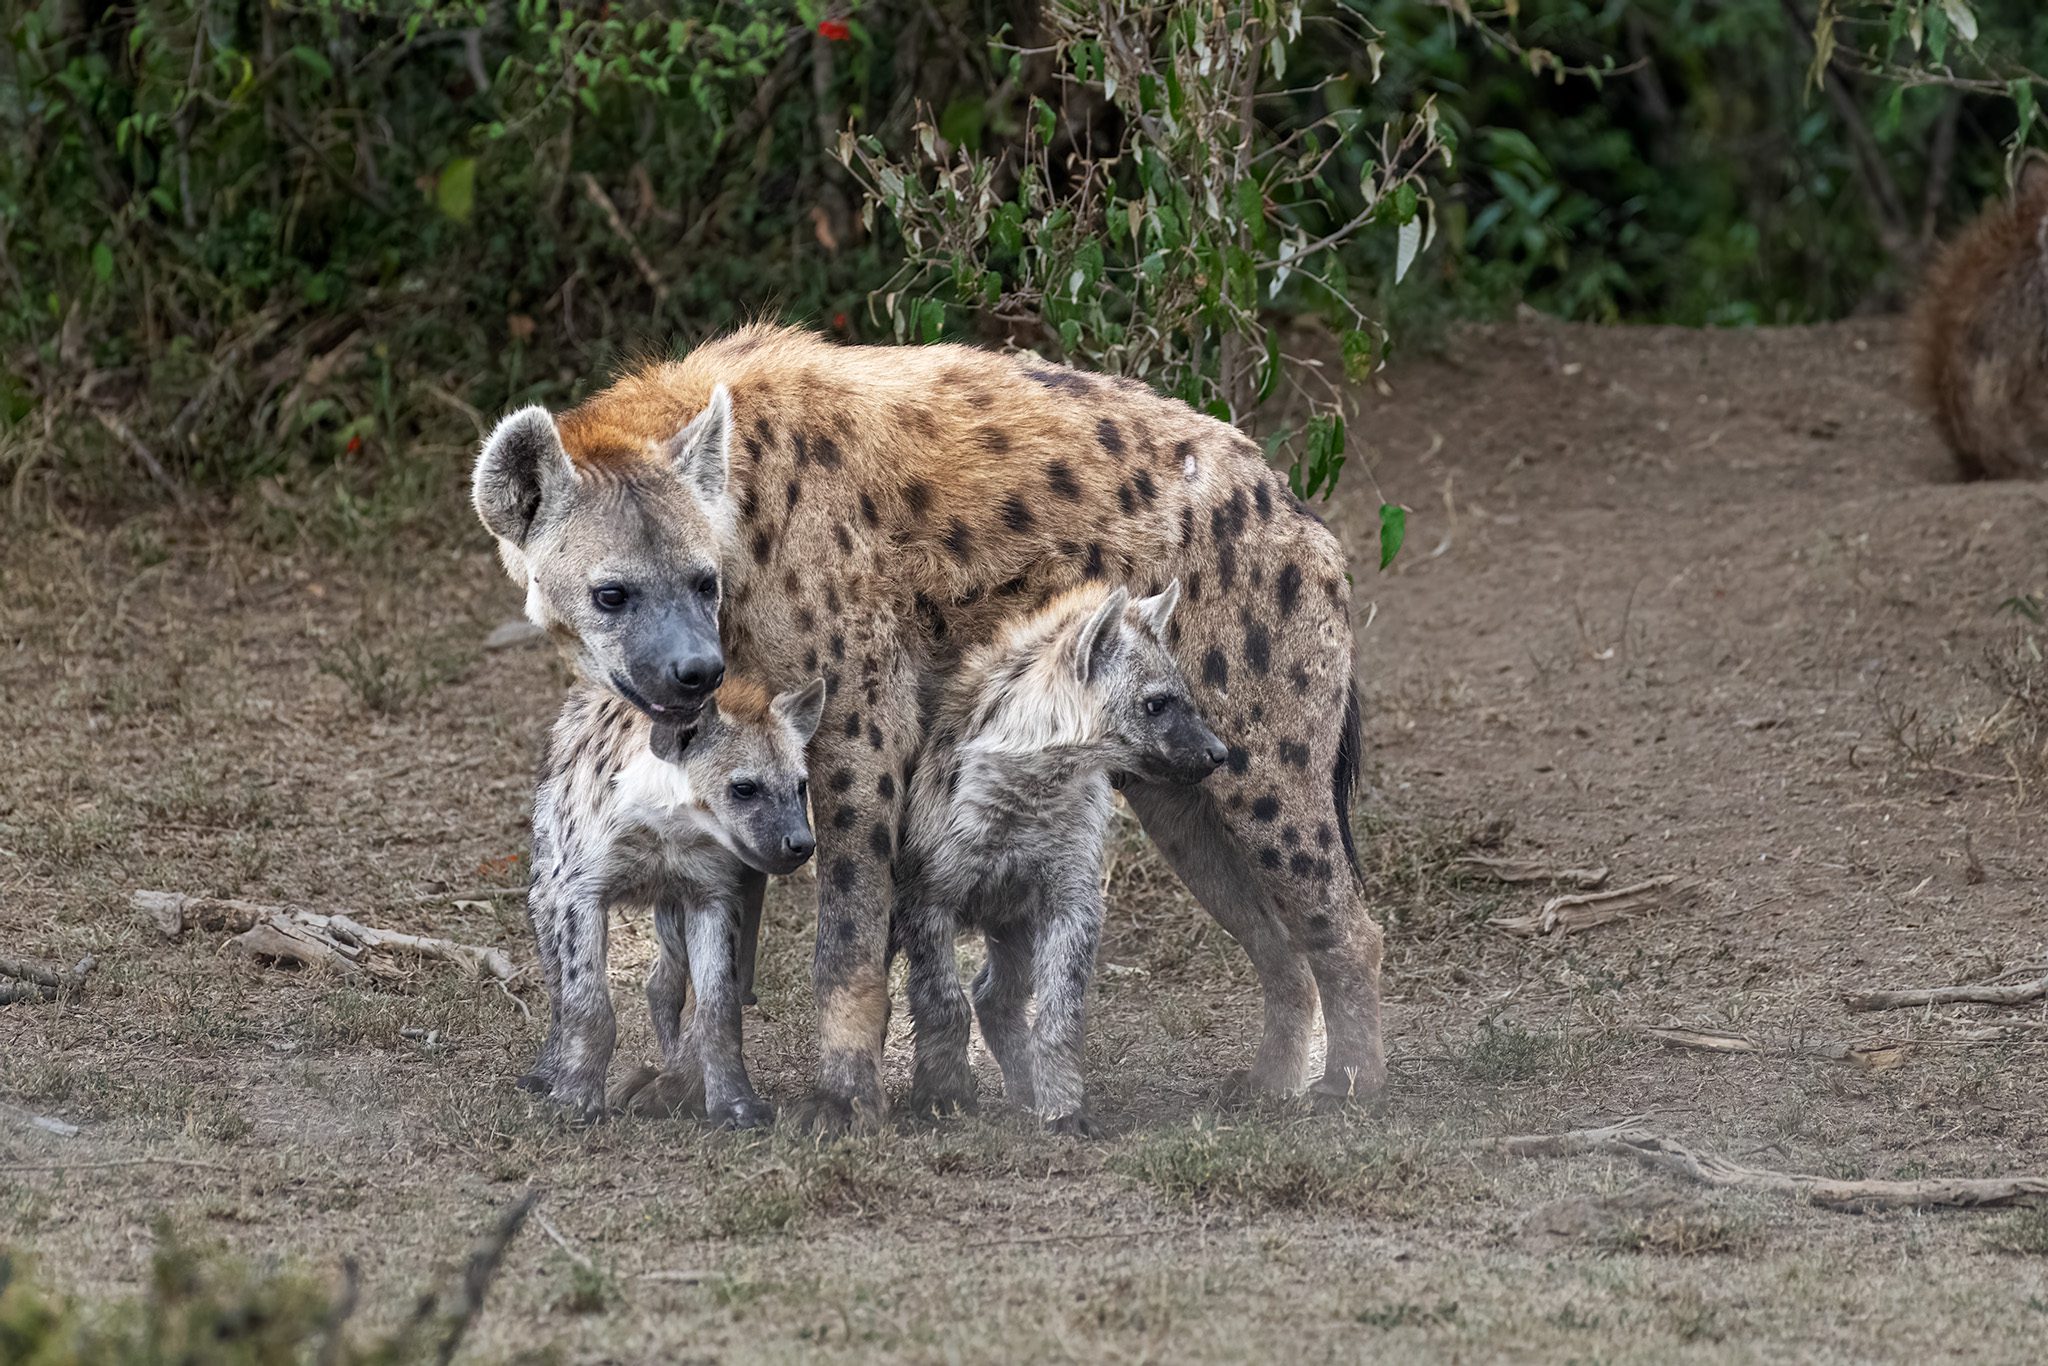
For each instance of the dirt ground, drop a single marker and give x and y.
(1700, 604)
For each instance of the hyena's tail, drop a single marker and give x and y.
(1344, 773)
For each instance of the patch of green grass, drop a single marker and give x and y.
(766, 1185)
(388, 675)
(2022, 1233)
(1264, 1165)
(1686, 1233)
(1504, 1052)
(1407, 1314)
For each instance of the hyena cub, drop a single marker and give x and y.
(1004, 831)
(1981, 335)
(685, 817)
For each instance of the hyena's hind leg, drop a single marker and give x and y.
(1190, 830)
(578, 1053)
(540, 1077)
(1002, 999)
(942, 1081)
(1069, 932)
(679, 1088)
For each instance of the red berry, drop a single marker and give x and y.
(833, 30)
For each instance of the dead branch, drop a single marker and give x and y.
(32, 983)
(443, 1316)
(1530, 870)
(594, 192)
(335, 940)
(2019, 993)
(1584, 910)
(1706, 1040)
(1667, 1155)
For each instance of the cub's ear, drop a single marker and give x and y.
(521, 464)
(702, 451)
(803, 708)
(1157, 610)
(1098, 637)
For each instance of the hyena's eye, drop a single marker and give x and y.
(744, 791)
(708, 585)
(610, 597)
(803, 788)
(1157, 704)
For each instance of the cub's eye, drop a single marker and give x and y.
(708, 585)
(1157, 705)
(609, 597)
(803, 788)
(744, 791)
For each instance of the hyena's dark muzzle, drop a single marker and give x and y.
(777, 836)
(673, 660)
(1184, 749)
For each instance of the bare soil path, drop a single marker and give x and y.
(1676, 603)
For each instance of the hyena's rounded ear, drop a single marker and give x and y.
(1098, 638)
(702, 451)
(1157, 610)
(521, 463)
(802, 708)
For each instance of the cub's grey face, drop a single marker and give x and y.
(1153, 723)
(751, 775)
(620, 565)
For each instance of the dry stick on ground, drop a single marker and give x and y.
(2017, 994)
(1585, 910)
(336, 940)
(1659, 1153)
(40, 984)
(1530, 870)
(445, 1325)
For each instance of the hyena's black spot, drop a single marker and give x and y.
(1235, 801)
(1126, 500)
(837, 645)
(791, 584)
(806, 619)
(1092, 567)
(844, 537)
(1147, 490)
(1266, 808)
(755, 443)
(795, 491)
(1258, 712)
(1226, 566)
(1063, 381)
(1187, 525)
(1017, 516)
(917, 495)
(846, 930)
(1258, 576)
(1263, 500)
(852, 724)
(811, 662)
(1294, 752)
(1323, 870)
(844, 817)
(831, 683)
(749, 504)
(1258, 648)
(994, 440)
(832, 599)
(879, 842)
(867, 509)
(1334, 590)
(1173, 634)
(959, 541)
(1288, 589)
(874, 736)
(1215, 669)
(1301, 865)
(1112, 440)
(1319, 935)
(761, 547)
(1191, 586)
(840, 780)
(918, 420)
(825, 451)
(1269, 857)
(1059, 477)
(1323, 835)
(803, 448)
(1298, 676)
(978, 397)
(844, 874)
(1289, 836)
(885, 788)
(1239, 760)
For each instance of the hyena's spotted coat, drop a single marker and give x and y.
(888, 507)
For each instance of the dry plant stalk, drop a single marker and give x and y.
(1584, 910)
(1530, 870)
(334, 941)
(1663, 1154)
(2019, 993)
(32, 983)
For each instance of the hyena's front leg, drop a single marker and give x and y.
(729, 1099)
(942, 1081)
(579, 1049)
(540, 912)
(1002, 998)
(680, 1087)
(1064, 965)
(753, 891)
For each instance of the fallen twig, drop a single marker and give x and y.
(336, 941)
(2019, 993)
(1706, 1040)
(445, 1325)
(32, 983)
(1529, 870)
(1584, 910)
(49, 1124)
(1663, 1154)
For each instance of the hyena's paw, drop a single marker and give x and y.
(663, 1095)
(745, 1112)
(580, 1094)
(939, 1100)
(1344, 1090)
(830, 1114)
(1079, 1124)
(1243, 1088)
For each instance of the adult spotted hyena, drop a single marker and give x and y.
(868, 512)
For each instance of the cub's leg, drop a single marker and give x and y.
(1069, 927)
(680, 1087)
(753, 890)
(942, 1081)
(579, 1049)
(1002, 993)
(711, 925)
(1189, 829)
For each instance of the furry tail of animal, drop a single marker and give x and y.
(1344, 773)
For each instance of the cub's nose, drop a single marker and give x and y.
(698, 676)
(798, 846)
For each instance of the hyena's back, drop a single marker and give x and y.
(1981, 336)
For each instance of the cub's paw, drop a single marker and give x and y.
(747, 1112)
(538, 1082)
(661, 1094)
(941, 1101)
(829, 1114)
(1079, 1124)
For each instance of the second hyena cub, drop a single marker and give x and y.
(1004, 831)
(686, 818)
